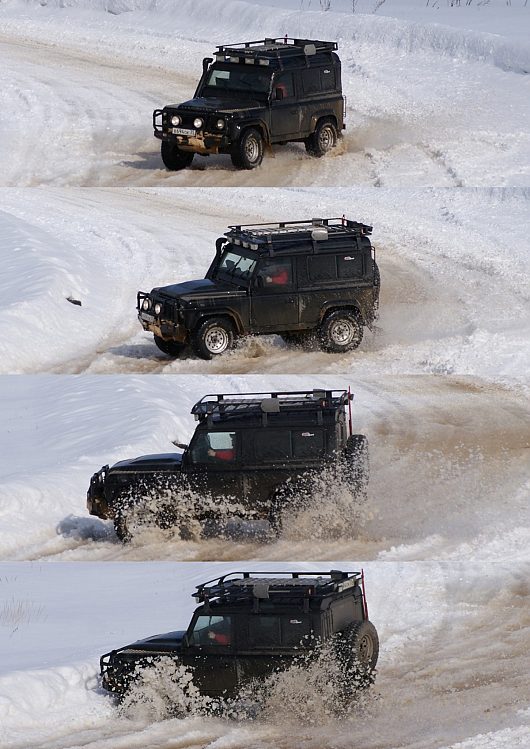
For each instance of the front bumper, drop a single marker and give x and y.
(196, 141)
(95, 499)
(165, 329)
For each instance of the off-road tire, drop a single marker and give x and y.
(174, 159)
(340, 331)
(357, 651)
(323, 139)
(213, 337)
(248, 151)
(121, 527)
(357, 467)
(171, 348)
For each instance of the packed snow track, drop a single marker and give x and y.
(79, 84)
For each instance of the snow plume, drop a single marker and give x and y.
(319, 684)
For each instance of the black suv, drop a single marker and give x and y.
(306, 280)
(266, 92)
(252, 457)
(251, 624)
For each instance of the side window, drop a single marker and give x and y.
(350, 265)
(308, 443)
(327, 78)
(270, 445)
(322, 267)
(283, 86)
(272, 274)
(311, 80)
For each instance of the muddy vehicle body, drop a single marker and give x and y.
(313, 281)
(251, 624)
(255, 95)
(253, 457)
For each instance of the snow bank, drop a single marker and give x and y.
(253, 20)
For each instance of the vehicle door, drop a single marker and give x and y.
(285, 108)
(213, 466)
(274, 296)
(210, 651)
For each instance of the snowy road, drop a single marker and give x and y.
(79, 86)
(453, 291)
(449, 459)
(453, 665)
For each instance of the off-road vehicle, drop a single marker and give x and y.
(315, 280)
(251, 624)
(253, 457)
(257, 94)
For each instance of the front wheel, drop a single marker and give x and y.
(248, 151)
(340, 331)
(213, 338)
(174, 159)
(323, 139)
(172, 348)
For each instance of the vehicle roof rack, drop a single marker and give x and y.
(265, 51)
(238, 586)
(276, 236)
(226, 405)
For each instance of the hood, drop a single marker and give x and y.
(195, 290)
(169, 641)
(160, 462)
(217, 104)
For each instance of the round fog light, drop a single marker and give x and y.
(158, 308)
(146, 304)
(197, 122)
(175, 120)
(220, 124)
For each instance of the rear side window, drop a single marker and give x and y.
(288, 444)
(327, 78)
(273, 631)
(311, 81)
(350, 265)
(322, 268)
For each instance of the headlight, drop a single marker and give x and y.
(175, 120)
(146, 304)
(220, 124)
(198, 123)
(158, 308)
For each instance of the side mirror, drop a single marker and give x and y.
(179, 444)
(206, 61)
(258, 282)
(279, 93)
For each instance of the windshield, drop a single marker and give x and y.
(236, 265)
(215, 448)
(243, 78)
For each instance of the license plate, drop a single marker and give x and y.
(146, 317)
(182, 131)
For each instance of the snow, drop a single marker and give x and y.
(454, 270)
(437, 100)
(426, 614)
(434, 97)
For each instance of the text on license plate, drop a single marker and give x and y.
(182, 131)
(146, 317)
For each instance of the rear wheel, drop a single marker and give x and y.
(340, 331)
(213, 338)
(172, 348)
(357, 465)
(174, 159)
(248, 151)
(357, 650)
(323, 139)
